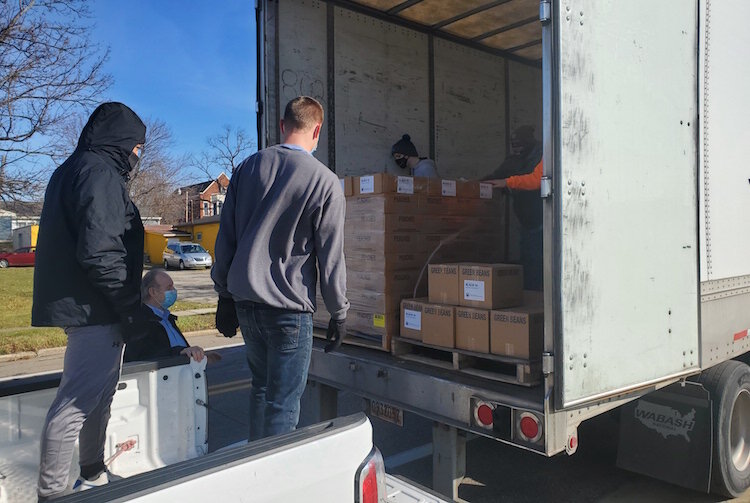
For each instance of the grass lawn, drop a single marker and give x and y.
(16, 334)
(16, 284)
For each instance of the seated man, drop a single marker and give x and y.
(164, 339)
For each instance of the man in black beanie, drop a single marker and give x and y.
(405, 154)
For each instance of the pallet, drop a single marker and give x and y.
(488, 366)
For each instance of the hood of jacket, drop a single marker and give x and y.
(113, 130)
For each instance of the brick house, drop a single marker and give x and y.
(204, 199)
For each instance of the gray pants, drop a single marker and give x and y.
(91, 370)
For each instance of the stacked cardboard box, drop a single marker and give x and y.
(395, 226)
(477, 307)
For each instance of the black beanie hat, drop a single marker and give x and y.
(404, 146)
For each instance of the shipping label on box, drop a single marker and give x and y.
(442, 283)
(384, 183)
(448, 188)
(367, 185)
(473, 329)
(485, 190)
(405, 185)
(382, 203)
(491, 286)
(411, 318)
(438, 325)
(518, 332)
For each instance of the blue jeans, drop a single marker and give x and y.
(532, 251)
(278, 343)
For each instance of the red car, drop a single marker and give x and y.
(22, 256)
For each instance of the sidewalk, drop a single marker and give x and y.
(48, 360)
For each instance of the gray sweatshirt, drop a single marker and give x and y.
(284, 210)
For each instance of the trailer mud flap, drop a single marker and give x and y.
(667, 435)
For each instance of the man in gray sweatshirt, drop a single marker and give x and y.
(281, 223)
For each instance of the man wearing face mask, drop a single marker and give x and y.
(405, 154)
(282, 223)
(164, 338)
(89, 260)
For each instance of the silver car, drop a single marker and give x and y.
(186, 256)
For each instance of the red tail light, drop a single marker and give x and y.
(370, 480)
(530, 427)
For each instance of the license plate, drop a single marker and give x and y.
(386, 412)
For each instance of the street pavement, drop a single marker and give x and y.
(495, 472)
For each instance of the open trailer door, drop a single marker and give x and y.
(624, 87)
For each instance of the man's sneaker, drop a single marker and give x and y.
(103, 478)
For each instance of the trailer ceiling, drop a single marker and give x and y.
(510, 26)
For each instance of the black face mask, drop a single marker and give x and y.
(133, 160)
(401, 162)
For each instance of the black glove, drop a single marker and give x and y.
(136, 322)
(226, 317)
(335, 334)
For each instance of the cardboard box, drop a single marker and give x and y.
(367, 261)
(437, 205)
(442, 187)
(436, 224)
(384, 183)
(411, 318)
(366, 300)
(380, 222)
(490, 286)
(372, 323)
(518, 332)
(442, 283)
(382, 204)
(396, 282)
(346, 185)
(384, 242)
(439, 325)
(473, 329)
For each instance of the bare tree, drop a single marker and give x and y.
(49, 69)
(224, 153)
(158, 174)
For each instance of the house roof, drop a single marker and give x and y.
(165, 230)
(198, 188)
(206, 220)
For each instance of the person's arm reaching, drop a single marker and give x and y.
(531, 181)
(224, 249)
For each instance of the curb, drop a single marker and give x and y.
(24, 355)
(28, 355)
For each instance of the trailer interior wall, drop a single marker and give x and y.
(724, 188)
(384, 80)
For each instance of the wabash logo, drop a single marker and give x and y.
(665, 420)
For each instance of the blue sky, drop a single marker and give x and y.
(189, 63)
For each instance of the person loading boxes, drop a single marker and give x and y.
(521, 173)
(405, 154)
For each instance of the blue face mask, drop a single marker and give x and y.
(170, 297)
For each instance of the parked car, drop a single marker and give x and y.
(20, 257)
(186, 256)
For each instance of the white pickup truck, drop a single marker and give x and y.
(157, 439)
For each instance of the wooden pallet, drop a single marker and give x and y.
(488, 366)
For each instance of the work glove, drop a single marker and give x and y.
(226, 317)
(335, 334)
(136, 321)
